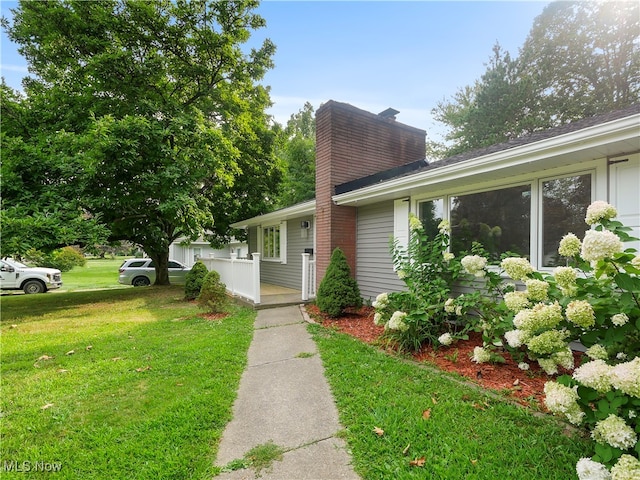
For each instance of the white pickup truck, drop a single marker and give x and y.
(17, 276)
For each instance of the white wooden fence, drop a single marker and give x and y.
(242, 277)
(308, 277)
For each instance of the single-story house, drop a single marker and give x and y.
(520, 196)
(189, 252)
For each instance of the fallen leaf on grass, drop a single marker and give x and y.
(48, 405)
(433, 400)
(406, 449)
(378, 431)
(70, 352)
(14, 326)
(45, 357)
(63, 370)
(426, 415)
(418, 462)
(143, 369)
(473, 462)
(89, 347)
(115, 359)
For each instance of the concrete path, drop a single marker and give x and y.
(284, 398)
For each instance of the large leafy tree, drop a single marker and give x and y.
(297, 152)
(580, 59)
(163, 111)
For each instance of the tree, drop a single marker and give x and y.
(162, 111)
(298, 155)
(580, 59)
(338, 289)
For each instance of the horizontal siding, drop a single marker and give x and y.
(289, 274)
(374, 266)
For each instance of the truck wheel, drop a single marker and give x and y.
(34, 286)
(141, 282)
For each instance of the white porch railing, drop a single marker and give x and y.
(308, 277)
(242, 277)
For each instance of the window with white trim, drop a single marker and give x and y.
(526, 219)
(274, 242)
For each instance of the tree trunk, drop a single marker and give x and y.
(161, 260)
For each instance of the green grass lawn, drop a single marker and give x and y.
(97, 273)
(117, 384)
(458, 431)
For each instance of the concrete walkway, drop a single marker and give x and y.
(284, 398)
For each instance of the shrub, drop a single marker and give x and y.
(213, 294)
(194, 280)
(338, 290)
(64, 259)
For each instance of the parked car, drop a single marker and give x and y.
(141, 272)
(18, 276)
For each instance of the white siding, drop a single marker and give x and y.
(373, 263)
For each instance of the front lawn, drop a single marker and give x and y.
(432, 425)
(127, 383)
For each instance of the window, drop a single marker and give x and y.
(274, 242)
(499, 219)
(564, 206)
(431, 214)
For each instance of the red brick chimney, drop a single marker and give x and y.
(351, 144)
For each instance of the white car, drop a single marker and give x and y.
(141, 272)
(18, 276)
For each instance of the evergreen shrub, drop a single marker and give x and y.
(194, 280)
(338, 290)
(213, 294)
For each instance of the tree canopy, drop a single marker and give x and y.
(149, 114)
(580, 59)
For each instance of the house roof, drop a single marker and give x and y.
(603, 136)
(298, 210)
(424, 165)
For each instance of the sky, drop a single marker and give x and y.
(371, 54)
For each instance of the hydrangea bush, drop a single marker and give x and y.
(422, 314)
(594, 299)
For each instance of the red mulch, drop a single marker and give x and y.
(525, 387)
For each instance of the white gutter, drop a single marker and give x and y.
(623, 129)
(298, 210)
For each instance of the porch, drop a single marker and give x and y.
(272, 296)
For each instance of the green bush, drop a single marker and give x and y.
(64, 259)
(338, 290)
(213, 294)
(194, 280)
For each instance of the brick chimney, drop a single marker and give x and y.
(351, 144)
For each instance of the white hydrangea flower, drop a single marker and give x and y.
(523, 366)
(614, 431)
(600, 245)
(481, 355)
(448, 256)
(587, 469)
(619, 319)
(474, 265)
(636, 261)
(626, 377)
(514, 338)
(580, 312)
(627, 468)
(516, 301)
(597, 351)
(381, 301)
(459, 310)
(378, 319)
(548, 365)
(414, 223)
(598, 211)
(563, 400)
(537, 290)
(548, 342)
(449, 306)
(564, 358)
(595, 374)
(445, 339)
(570, 245)
(517, 268)
(566, 279)
(396, 322)
(444, 227)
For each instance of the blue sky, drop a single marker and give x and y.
(371, 54)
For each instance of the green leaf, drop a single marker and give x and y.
(605, 452)
(627, 282)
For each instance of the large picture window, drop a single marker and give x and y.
(499, 219)
(564, 206)
(431, 214)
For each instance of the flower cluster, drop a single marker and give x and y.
(626, 377)
(620, 319)
(587, 469)
(570, 245)
(481, 355)
(580, 312)
(474, 265)
(541, 317)
(517, 268)
(414, 223)
(598, 211)
(598, 245)
(445, 339)
(396, 322)
(595, 374)
(563, 400)
(548, 342)
(537, 290)
(444, 227)
(516, 301)
(597, 352)
(614, 431)
(627, 468)
(566, 280)
(381, 301)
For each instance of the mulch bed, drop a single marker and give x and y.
(525, 387)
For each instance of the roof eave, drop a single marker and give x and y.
(298, 210)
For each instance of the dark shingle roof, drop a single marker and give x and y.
(423, 165)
